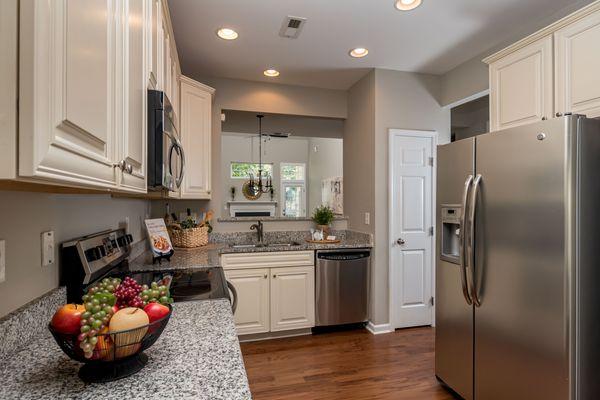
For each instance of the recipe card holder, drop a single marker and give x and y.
(165, 256)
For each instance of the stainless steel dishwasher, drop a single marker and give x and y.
(342, 286)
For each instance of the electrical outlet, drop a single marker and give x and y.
(367, 218)
(127, 224)
(2, 260)
(47, 248)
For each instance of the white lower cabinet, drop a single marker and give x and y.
(292, 298)
(273, 298)
(252, 287)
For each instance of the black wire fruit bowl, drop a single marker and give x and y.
(116, 354)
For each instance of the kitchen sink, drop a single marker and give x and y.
(259, 245)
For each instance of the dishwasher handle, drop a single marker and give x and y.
(343, 256)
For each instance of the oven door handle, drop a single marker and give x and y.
(235, 296)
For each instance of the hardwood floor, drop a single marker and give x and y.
(345, 365)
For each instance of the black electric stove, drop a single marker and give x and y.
(88, 259)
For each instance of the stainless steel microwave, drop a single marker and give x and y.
(166, 159)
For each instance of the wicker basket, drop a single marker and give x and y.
(188, 238)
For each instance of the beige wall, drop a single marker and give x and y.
(359, 153)
(467, 79)
(404, 101)
(383, 100)
(24, 216)
(325, 160)
(241, 95)
(245, 121)
(234, 94)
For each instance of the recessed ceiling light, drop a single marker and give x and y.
(271, 73)
(407, 5)
(227, 34)
(359, 52)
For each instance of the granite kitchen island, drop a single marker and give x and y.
(197, 357)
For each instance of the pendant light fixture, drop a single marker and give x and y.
(256, 185)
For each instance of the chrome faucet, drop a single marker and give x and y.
(258, 227)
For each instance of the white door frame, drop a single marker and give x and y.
(392, 283)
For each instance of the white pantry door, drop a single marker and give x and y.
(411, 213)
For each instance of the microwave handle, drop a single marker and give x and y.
(182, 158)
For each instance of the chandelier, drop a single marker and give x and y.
(256, 185)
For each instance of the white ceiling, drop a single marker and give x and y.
(434, 38)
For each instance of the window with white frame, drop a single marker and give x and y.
(242, 170)
(293, 189)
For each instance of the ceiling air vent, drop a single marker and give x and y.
(291, 27)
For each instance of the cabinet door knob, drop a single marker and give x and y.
(266, 276)
(274, 276)
(544, 118)
(559, 114)
(400, 242)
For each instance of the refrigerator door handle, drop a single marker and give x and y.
(461, 239)
(471, 241)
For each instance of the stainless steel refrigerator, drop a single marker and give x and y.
(518, 263)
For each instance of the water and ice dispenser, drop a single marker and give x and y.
(450, 249)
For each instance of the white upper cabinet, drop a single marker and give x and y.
(578, 67)
(68, 92)
(132, 140)
(9, 41)
(521, 86)
(195, 122)
(548, 74)
(156, 42)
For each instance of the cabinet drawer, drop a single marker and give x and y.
(270, 260)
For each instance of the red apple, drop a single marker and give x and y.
(68, 319)
(156, 311)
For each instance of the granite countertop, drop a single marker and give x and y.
(197, 357)
(209, 255)
(201, 257)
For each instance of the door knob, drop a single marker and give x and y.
(400, 242)
(559, 114)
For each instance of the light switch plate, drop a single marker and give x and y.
(47, 248)
(2, 260)
(367, 218)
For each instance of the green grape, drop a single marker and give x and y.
(95, 302)
(101, 314)
(96, 324)
(95, 309)
(93, 340)
(85, 328)
(154, 285)
(164, 300)
(86, 315)
(85, 298)
(110, 288)
(107, 309)
(88, 306)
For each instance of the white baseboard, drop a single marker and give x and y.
(379, 329)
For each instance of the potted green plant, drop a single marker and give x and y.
(323, 216)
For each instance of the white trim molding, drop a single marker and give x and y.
(379, 329)
(468, 99)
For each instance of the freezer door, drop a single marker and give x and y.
(454, 317)
(521, 339)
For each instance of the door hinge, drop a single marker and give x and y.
(432, 301)
(431, 230)
(431, 161)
